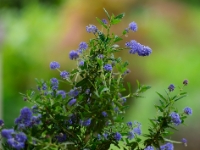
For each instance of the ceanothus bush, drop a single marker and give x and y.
(90, 115)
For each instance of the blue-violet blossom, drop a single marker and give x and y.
(133, 26)
(54, 65)
(73, 55)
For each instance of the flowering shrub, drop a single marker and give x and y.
(90, 115)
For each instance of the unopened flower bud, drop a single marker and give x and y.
(185, 82)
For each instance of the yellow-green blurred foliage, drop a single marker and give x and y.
(37, 34)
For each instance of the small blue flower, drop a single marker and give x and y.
(64, 74)
(105, 135)
(104, 114)
(175, 118)
(26, 113)
(25, 117)
(7, 133)
(18, 141)
(133, 26)
(149, 148)
(54, 84)
(61, 137)
(73, 55)
(83, 46)
(145, 51)
(130, 135)
(91, 29)
(86, 122)
(184, 141)
(104, 21)
(108, 67)
(73, 92)
(123, 100)
(129, 124)
(137, 130)
(99, 137)
(188, 111)
(100, 56)
(117, 136)
(171, 87)
(134, 46)
(168, 146)
(1, 122)
(87, 91)
(185, 82)
(54, 65)
(34, 109)
(81, 63)
(62, 93)
(72, 102)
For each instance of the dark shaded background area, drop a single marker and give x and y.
(37, 32)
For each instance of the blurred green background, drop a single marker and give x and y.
(34, 33)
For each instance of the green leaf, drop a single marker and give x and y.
(116, 38)
(120, 16)
(101, 22)
(102, 36)
(125, 32)
(159, 107)
(144, 88)
(138, 84)
(180, 97)
(106, 13)
(129, 87)
(162, 97)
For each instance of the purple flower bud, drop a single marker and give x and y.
(104, 21)
(171, 87)
(185, 82)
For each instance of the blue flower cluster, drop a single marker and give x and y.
(54, 65)
(83, 46)
(54, 84)
(86, 122)
(138, 48)
(1, 123)
(175, 118)
(134, 131)
(73, 54)
(188, 111)
(167, 146)
(61, 137)
(72, 102)
(133, 26)
(108, 67)
(104, 114)
(62, 93)
(64, 74)
(149, 148)
(15, 140)
(117, 136)
(91, 29)
(26, 118)
(171, 87)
